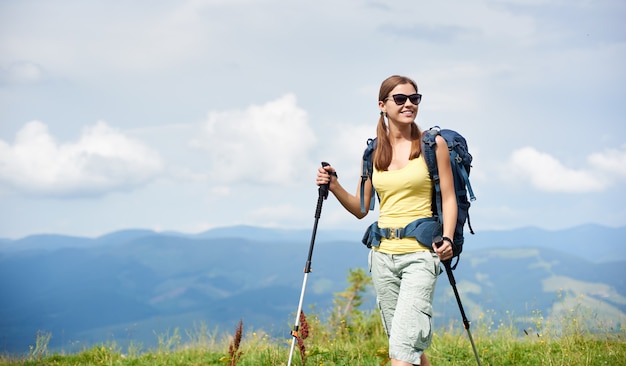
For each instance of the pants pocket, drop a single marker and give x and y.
(437, 265)
(422, 334)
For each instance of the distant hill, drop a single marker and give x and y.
(130, 285)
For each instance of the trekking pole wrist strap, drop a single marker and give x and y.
(448, 240)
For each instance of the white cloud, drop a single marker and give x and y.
(101, 161)
(546, 173)
(610, 161)
(261, 144)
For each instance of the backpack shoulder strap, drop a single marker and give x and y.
(366, 172)
(429, 144)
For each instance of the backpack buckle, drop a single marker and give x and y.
(395, 233)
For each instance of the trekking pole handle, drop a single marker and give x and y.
(438, 240)
(323, 190)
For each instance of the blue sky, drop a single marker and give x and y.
(189, 115)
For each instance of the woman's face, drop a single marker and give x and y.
(403, 113)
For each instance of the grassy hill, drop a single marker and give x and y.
(132, 285)
(576, 339)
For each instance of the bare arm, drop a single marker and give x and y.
(350, 202)
(448, 197)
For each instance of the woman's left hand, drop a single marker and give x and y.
(444, 250)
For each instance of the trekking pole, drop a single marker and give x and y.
(323, 194)
(466, 323)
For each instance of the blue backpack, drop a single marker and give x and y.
(460, 160)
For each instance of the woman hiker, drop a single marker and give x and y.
(404, 270)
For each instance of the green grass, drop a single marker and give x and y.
(569, 342)
(575, 337)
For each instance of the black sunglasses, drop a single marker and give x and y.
(400, 99)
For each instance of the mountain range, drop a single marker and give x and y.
(137, 285)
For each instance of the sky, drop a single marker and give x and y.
(193, 114)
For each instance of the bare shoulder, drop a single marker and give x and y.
(441, 141)
(442, 148)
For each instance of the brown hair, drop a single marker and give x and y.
(383, 153)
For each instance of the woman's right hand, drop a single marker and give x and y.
(352, 203)
(326, 175)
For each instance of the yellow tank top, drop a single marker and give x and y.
(405, 196)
